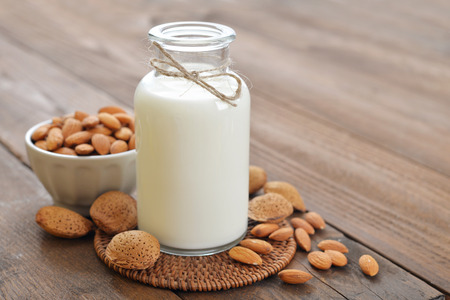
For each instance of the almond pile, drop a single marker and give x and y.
(109, 131)
(279, 201)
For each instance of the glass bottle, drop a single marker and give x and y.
(192, 147)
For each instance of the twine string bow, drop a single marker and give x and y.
(195, 76)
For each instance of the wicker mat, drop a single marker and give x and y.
(203, 273)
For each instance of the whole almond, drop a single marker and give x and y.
(84, 149)
(118, 147)
(132, 142)
(41, 144)
(302, 238)
(133, 249)
(109, 121)
(320, 260)
(101, 143)
(78, 138)
(100, 129)
(332, 245)
(245, 255)
(338, 259)
(293, 276)
(300, 223)
(131, 125)
(114, 212)
(123, 133)
(41, 132)
(124, 118)
(55, 139)
(111, 139)
(270, 208)
(80, 115)
(111, 110)
(90, 122)
(264, 229)
(258, 178)
(281, 234)
(368, 265)
(71, 126)
(65, 151)
(57, 122)
(315, 220)
(288, 191)
(259, 246)
(62, 222)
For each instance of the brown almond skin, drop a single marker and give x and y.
(101, 143)
(257, 179)
(319, 260)
(123, 133)
(132, 142)
(41, 144)
(111, 109)
(293, 276)
(78, 138)
(300, 223)
(80, 115)
(84, 149)
(368, 265)
(114, 212)
(118, 147)
(55, 139)
(302, 238)
(123, 118)
(100, 129)
(269, 208)
(264, 229)
(109, 121)
(338, 259)
(62, 222)
(259, 246)
(288, 191)
(315, 220)
(332, 245)
(90, 122)
(57, 122)
(131, 125)
(41, 132)
(282, 234)
(71, 126)
(245, 255)
(133, 249)
(65, 151)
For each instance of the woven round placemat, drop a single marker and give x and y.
(203, 273)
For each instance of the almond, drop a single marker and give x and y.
(57, 122)
(293, 276)
(302, 238)
(368, 265)
(332, 245)
(315, 220)
(90, 122)
(319, 260)
(55, 139)
(41, 132)
(118, 146)
(62, 222)
(124, 118)
(65, 151)
(114, 212)
(131, 125)
(270, 208)
(80, 115)
(133, 249)
(264, 229)
(258, 178)
(281, 234)
(123, 133)
(41, 144)
(71, 126)
(109, 121)
(111, 110)
(288, 191)
(101, 143)
(245, 255)
(259, 246)
(78, 138)
(300, 223)
(111, 139)
(100, 129)
(84, 149)
(338, 259)
(132, 142)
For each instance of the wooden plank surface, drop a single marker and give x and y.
(351, 105)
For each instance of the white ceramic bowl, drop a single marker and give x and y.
(74, 182)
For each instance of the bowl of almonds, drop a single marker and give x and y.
(80, 156)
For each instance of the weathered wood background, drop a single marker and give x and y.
(350, 103)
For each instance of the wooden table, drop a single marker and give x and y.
(350, 103)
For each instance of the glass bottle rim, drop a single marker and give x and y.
(192, 34)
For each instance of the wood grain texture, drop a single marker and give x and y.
(350, 102)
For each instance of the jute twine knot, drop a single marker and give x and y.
(195, 76)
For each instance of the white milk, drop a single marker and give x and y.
(192, 163)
